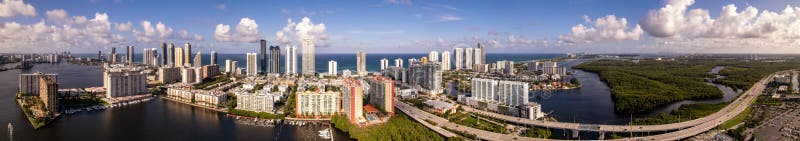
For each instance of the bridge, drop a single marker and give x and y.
(683, 129)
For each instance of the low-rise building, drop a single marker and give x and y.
(440, 106)
(185, 93)
(261, 101)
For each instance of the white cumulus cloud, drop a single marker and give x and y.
(608, 28)
(293, 32)
(10, 8)
(245, 31)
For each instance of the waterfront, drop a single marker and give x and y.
(154, 120)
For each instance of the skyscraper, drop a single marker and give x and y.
(149, 56)
(262, 58)
(483, 53)
(198, 60)
(187, 53)
(129, 55)
(445, 60)
(99, 55)
(291, 60)
(398, 62)
(384, 63)
(468, 57)
(163, 53)
(478, 56)
(171, 55)
(459, 58)
(179, 61)
(332, 68)
(308, 57)
(361, 63)
(252, 64)
(213, 57)
(274, 59)
(433, 56)
(113, 55)
(228, 66)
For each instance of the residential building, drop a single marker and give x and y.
(171, 55)
(445, 60)
(484, 89)
(262, 58)
(505, 67)
(433, 56)
(121, 80)
(483, 53)
(395, 73)
(150, 57)
(459, 63)
(426, 75)
(198, 60)
(48, 93)
(187, 53)
(213, 57)
(332, 68)
(188, 75)
(228, 64)
(510, 93)
(398, 62)
(352, 100)
(316, 104)
(361, 63)
(167, 74)
(29, 83)
(533, 111)
(164, 52)
(477, 58)
(209, 71)
(308, 57)
(291, 60)
(384, 63)
(381, 93)
(252, 64)
(129, 55)
(179, 61)
(261, 101)
(274, 59)
(468, 57)
(213, 98)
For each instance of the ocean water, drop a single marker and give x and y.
(348, 61)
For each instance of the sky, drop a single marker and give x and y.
(405, 26)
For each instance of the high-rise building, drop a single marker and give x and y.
(252, 64)
(235, 68)
(433, 56)
(445, 60)
(262, 58)
(198, 60)
(228, 68)
(48, 92)
(426, 75)
(171, 55)
(121, 80)
(384, 63)
(113, 55)
(260, 101)
(167, 74)
(291, 60)
(213, 57)
(332, 68)
(29, 83)
(505, 67)
(316, 104)
(361, 63)
(468, 57)
(510, 93)
(381, 93)
(189, 75)
(209, 71)
(179, 61)
(164, 53)
(308, 57)
(352, 100)
(459, 63)
(99, 55)
(478, 56)
(274, 59)
(129, 55)
(483, 53)
(398, 62)
(187, 53)
(149, 57)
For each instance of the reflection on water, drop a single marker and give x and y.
(154, 120)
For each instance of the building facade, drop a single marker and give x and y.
(352, 100)
(459, 58)
(120, 81)
(316, 104)
(381, 93)
(308, 57)
(48, 93)
(445, 60)
(29, 83)
(275, 59)
(258, 102)
(291, 60)
(361, 63)
(332, 68)
(167, 75)
(252, 64)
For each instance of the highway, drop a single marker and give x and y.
(685, 129)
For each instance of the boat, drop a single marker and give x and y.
(326, 134)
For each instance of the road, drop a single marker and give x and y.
(685, 129)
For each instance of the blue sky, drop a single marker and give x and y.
(393, 26)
